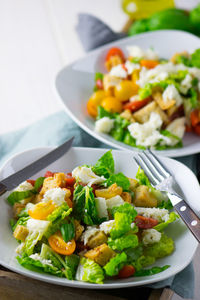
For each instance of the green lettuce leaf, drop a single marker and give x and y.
(133, 253)
(120, 179)
(195, 58)
(172, 217)
(17, 196)
(20, 221)
(122, 225)
(101, 113)
(152, 271)
(126, 208)
(89, 271)
(79, 202)
(165, 204)
(71, 262)
(105, 165)
(193, 98)
(161, 249)
(113, 267)
(124, 242)
(142, 178)
(142, 262)
(38, 183)
(36, 265)
(49, 254)
(90, 211)
(68, 231)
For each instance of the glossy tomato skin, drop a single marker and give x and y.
(149, 64)
(126, 271)
(31, 181)
(41, 210)
(112, 104)
(49, 174)
(136, 105)
(94, 102)
(57, 243)
(125, 90)
(145, 223)
(115, 51)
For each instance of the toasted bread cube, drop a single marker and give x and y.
(110, 192)
(17, 207)
(163, 104)
(37, 199)
(53, 182)
(113, 61)
(144, 197)
(126, 114)
(96, 240)
(126, 197)
(78, 229)
(143, 114)
(101, 254)
(20, 233)
(133, 184)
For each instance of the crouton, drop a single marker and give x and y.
(110, 192)
(53, 182)
(101, 254)
(78, 229)
(113, 61)
(96, 240)
(126, 197)
(20, 233)
(17, 207)
(144, 197)
(68, 193)
(126, 114)
(157, 96)
(143, 114)
(37, 199)
(133, 184)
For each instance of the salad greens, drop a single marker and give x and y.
(65, 237)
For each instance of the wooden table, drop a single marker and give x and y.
(14, 286)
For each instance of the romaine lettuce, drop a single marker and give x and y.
(161, 249)
(120, 179)
(89, 271)
(152, 271)
(105, 165)
(172, 217)
(71, 262)
(124, 242)
(113, 267)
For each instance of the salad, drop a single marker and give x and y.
(146, 101)
(92, 224)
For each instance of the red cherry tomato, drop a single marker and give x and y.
(145, 223)
(99, 84)
(31, 181)
(49, 174)
(197, 129)
(126, 271)
(137, 104)
(115, 51)
(69, 179)
(195, 117)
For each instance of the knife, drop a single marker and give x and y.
(15, 179)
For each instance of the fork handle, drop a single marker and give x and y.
(189, 217)
(2, 189)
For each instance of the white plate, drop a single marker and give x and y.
(184, 241)
(75, 83)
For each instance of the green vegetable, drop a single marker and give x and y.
(172, 217)
(20, 221)
(118, 131)
(165, 204)
(161, 249)
(195, 17)
(79, 202)
(89, 271)
(105, 165)
(101, 113)
(38, 183)
(142, 178)
(31, 241)
(152, 271)
(143, 261)
(17, 196)
(193, 98)
(139, 27)
(122, 225)
(124, 242)
(129, 140)
(71, 262)
(49, 254)
(68, 231)
(126, 208)
(120, 179)
(36, 265)
(13, 224)
(133, 253)
(113, 267)
(181, 59)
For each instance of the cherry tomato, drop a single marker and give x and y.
(195, 117)
(126, 271)
(188, 128)
(197, 129)
(115, 51)
(41, 210)
(125, 90)
(49, 174)
(69, 179)
(31, 181)
(94, 102)
(145, 223)
(135, 75)
(149, 64)
(60, 246)
(137, 104)
(99, 84)
(112, 104)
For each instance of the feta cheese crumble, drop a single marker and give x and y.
(177, 127)
(151, 236)
(171, 93)
(114, 201)
(104, 125)
(36, 256)
(136, 51)
(118, 71)
(107, 226)
(56, 195)
(37, 225)
(87, 176)
(24, 186)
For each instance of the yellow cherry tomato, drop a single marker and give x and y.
(112, 104)
(135, 75)
(41, 210)
(60, 246)
(125, 89)
(94, 102)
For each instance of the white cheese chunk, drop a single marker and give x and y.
(160, 214)
(171, 93)
(87, 176)
(118, 71)
(131, 67)
(101, 207)
(104, 125)
(136, 51)
(24, 186)
(186, 84)
(37, 225)
(177, 127)
(36, 256)
(114, 201)
(56, 195)
(90, 231)
(107, 226)
(150, 236)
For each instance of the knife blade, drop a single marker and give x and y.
(15, 179)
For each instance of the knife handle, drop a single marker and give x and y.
(189, 217)
(2, 189)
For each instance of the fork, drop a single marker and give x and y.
(161, 178)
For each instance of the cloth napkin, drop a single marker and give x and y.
(57, 128)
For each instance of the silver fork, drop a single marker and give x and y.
(163, 180)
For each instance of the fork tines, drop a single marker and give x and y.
(152, 166)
